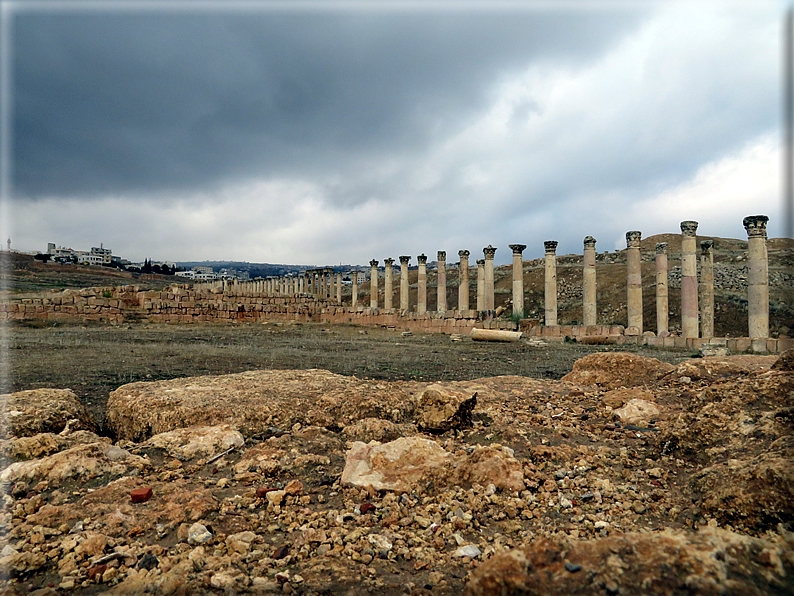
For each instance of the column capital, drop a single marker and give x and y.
(422, 259)
(373, 263)
(489, 252)
(388, 262)
(463, 254)
(481, 261)
(689, 228)
(755, 225)
(633, 239)
(442, 255)
(517, 248)
(706, 246)
(550, 246)
(589, 242)
(404, 259)
(661, 248)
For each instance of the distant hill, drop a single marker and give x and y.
(257, 269)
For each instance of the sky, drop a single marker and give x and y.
(321, 133)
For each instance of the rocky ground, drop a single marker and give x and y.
(628, 476)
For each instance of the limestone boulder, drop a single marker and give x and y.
(82, 462)
(42, 444)
(44, 411)
(617, 398)
(406, 463)
(617, 369)
(439, 409)
(714, 368)
(712, 561)
(196, 441)
(638, 412)
(254, 402)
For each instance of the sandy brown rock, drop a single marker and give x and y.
(710, 562)
(440, 409)
(713, 368)
(196, 441)
(37, 411)
(617, 369)
(637, 412)
(82, 462)
(253, 402)
(617, 398)
(375, 429)
(42, 444)
(411, 462)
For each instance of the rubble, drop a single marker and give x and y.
(308, 482)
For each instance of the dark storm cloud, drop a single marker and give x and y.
(112, 103)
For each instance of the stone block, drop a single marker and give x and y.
(743, 344)
(758, 345)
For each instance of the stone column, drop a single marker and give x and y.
(421, 301)
(489, 252)
(404, 282)
(707, 289)
(480, 284)
(689, 279)
(589, 308)
(441, 300)
(388, 273)
(634, 280)
(518, 278)
(373, 284)
(463, 280)
(757, 275)
(354, 299)
(550, 296)
(661, 290)
(339, 288)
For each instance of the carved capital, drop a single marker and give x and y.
(633, 239)
(481, 262)
(755, 225)
(442, 255)
(404, 259)
(517, 248)
(421, 259)
(706, 246)
(463, 254)
(589, 242)
(373, 263)
(489, 252)
(388, 262)
(661, 248)
(689, 228)
(550, 246)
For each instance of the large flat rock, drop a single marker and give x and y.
(254, 402)
(35, 411)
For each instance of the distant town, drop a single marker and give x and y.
(195, 271)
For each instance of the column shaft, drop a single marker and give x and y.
(707, 289)
(480, 285)
(589, 307)
(489, 252)
(757, 276)
(387, 283)
(354, 299)
(463, 280)
(441, 300)
(689, 279)
(421, 301)
(518, 279)
(634, 280)
(550, 294)
(661, 290)
(373, 284)
(404, 282)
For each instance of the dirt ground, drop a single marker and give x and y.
(95, 360)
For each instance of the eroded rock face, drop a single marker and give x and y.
(406, 463)
(637, 412)
(439, 409)
(196, 441)
(713, 368)
(254, 402)
(617, 369)
(37, 411)
(712, 561)
(375, 429)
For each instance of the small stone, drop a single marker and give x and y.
(294, 487)
(198, 534)
(148, 561)
(276, 497)
(572, 568)
(141, 495)
(262, 492)
(470, 550)
(366, 508)
(281, 552)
